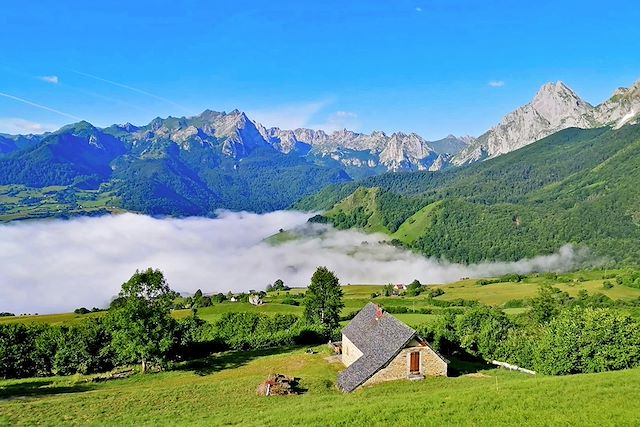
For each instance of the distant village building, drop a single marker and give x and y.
(378, 347)
(399, 288)
(255, 299)
(233, 299)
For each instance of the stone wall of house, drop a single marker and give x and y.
(430, 365)
(350, 352)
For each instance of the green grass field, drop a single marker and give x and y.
(222, 391)
(18, 202)
(357, 296)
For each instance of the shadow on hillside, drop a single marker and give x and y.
(40, 387)
(228, 360)
(463, 363)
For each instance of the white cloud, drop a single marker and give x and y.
(339, 120)
(418, 9)
(496, 83)
(290, 116)
(13, 125)
(50, 79)
(59, 265)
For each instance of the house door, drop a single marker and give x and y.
(414, 363)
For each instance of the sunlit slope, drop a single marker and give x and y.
(576, 186)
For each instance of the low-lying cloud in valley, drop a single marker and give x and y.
(58, 265)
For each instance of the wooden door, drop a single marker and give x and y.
(414, 363)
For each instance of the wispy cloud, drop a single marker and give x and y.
(135, 89)
(496, 83)
(290, 116)
(339, 120)
(50, 79)
(418, 9)
(42, 107)
(14, 125)
(306, 115)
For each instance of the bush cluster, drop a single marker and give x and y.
(87, 347)
(243, 331)
(558, 336)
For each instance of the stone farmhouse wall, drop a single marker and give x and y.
(431, 364)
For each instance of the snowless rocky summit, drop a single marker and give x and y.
(555, 107)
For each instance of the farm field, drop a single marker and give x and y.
(19, 202)
(357, 296)
(221, 390)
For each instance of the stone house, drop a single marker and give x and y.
(378, 347)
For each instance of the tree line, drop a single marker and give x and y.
(559, 335)
(139, 329)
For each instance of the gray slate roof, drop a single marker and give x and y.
(379, 340)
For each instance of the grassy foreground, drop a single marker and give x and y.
(221, 391)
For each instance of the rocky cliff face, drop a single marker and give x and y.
(398, 151)
(622, 108)
(555, 107)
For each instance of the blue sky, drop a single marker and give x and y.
(431, 67)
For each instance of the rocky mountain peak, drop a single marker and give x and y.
(554, 107)
(557, 103)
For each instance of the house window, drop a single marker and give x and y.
(414, 362)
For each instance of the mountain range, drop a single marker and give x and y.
(195, 165)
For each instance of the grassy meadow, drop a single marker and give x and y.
(221, 390)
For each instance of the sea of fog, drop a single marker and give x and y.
(58, 265)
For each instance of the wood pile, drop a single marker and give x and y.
(277, 385)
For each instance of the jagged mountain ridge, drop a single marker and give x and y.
(554, 108)
(195, 165)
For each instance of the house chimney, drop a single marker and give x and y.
(378, 312)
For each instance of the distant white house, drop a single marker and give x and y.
(233, 299)
(255, 299)
(399, 287)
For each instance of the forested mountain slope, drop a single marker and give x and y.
(576, 186)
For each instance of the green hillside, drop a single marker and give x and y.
(417, 224)
(221, 390)
(576, 186)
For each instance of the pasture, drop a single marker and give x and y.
(221, 390)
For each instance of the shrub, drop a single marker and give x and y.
(83, 348)
(252, 330)
(588, 340)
